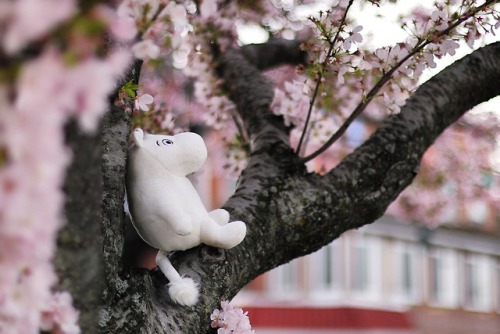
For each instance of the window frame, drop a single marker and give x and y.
(445, 292)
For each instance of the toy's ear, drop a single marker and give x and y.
(138, 137)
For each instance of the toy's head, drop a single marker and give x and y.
(181, 154)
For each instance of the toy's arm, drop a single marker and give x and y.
(164, 207)
(180, 222)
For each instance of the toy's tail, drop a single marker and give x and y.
(182, 290)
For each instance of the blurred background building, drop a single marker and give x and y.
(387, 277)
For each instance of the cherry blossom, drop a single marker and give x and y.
(49, 90)
(208, 8)
(123, 28)
(176, 13)
(146, 49)
(140, 10)
(230, 320)
(142, 102)
(354, 37)
(293, 101)
(60, 317)
(25, 23)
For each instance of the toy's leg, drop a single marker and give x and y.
(182, 290)
(223, 236)
(221, 216)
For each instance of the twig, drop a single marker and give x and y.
(320, 75)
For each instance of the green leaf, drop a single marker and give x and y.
(3, 156)
(90, 26)
(130, 92)
(130, 88)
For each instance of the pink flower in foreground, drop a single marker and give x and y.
(123, 28)
(25, 22)
(230, 320)
(176, 13)
(48, 94)
(217, 317)
(60, 316)
(208, 8)
(146, 49)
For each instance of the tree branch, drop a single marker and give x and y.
(253, 95)
(274, 53)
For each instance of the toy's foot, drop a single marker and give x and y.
(226, 236)
(237, 230)
(184, 291)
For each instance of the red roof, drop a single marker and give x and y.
(327, 318)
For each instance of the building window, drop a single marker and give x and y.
(406, 272)
(477, 282)
(365, 266)
(326, 270)
(406, 279)
(359, 269)
(498, 283)
(285, 281)
(443, 277)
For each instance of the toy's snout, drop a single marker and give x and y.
(194, 151)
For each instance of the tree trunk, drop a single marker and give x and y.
(78, 259)
(289, 212)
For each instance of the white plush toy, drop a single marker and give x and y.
(166, 210)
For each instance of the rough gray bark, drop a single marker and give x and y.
(78, 260)
(289, 212)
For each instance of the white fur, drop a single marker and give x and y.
(184, 291)
(166, 208)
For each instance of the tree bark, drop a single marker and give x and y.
(289, 212)
(78, 260)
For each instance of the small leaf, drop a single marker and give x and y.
(130, 92)
(130, 88)
(3, 156)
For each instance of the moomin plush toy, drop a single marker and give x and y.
(167, 211)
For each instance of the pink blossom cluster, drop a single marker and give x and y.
(455, 172)
(35, 104)
(216, 23)
(161, 103)
(293, 100)
(151, 21)
(25, 24)
(60, 316)
(230, 320)
(353, 73)
(161, 28)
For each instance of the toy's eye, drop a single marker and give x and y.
(164, 142)
(167, 142)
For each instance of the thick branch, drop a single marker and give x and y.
(274, 53)
(253, 95)
(78, 259)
